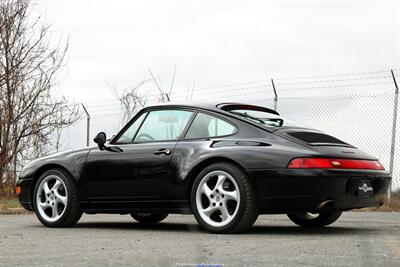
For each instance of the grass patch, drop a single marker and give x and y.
(394, 205)
(11, 206)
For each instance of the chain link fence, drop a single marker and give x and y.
(356, 108)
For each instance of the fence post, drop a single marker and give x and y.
(191, 94)
(276, 95)
(393, 143)
(87, 125)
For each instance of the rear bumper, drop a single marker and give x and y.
(283, 191)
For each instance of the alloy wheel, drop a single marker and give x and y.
(52, 198)
(217, 198)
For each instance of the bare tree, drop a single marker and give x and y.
(161, 95)
(131, 100)
(30, 113)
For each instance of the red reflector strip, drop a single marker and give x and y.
(326, 163)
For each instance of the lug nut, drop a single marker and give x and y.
(222, 195)
(214, 204)
(217, 191)
(211, 195)
(220, 204)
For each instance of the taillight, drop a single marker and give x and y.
(326, 163)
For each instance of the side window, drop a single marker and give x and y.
(204, 126)
(163, 125)
(129, 134)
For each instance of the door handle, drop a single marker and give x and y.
(162, 151)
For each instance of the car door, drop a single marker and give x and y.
(200, 141)
(141, 165)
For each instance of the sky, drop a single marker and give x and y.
(115, 43)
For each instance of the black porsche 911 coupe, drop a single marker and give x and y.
(224, 163)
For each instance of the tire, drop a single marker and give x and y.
(305, 219)
(60, 206)
(223, 199)
(149, 217)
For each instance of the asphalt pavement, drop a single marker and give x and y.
(357, 239)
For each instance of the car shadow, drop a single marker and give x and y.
(255, 230)
(162, 226)
(296, 230)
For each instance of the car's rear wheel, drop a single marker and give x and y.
(307, 219)
(223, 199)
(149, 217)
(55, 199)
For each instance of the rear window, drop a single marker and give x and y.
(264, 118)
(315, 138)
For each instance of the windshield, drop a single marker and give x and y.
(265, 118)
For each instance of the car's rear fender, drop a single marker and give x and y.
(190, 157)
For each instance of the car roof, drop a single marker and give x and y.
(216, 106)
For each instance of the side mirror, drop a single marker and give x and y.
(100, 140)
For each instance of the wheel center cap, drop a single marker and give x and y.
(217, 198)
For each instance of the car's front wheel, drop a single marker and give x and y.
(55, 199)
(149, 217)
(307, 219)
(223, 199)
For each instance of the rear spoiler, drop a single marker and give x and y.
(233, 106)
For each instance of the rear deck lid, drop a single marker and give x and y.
(327, 145)
(315, 138)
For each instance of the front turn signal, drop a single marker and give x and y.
(18, 190)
